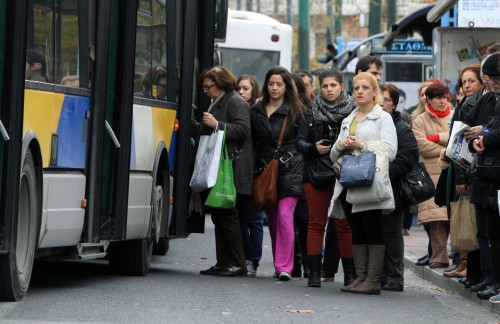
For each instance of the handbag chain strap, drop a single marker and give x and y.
(280, 139)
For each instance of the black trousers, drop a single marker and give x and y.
(392, 229)
(228, 242)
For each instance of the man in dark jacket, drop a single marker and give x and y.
(488, 144)
(392, 224)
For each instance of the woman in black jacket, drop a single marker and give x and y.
(279, 99)
(392, 224)
(229, 109)
(318, 129)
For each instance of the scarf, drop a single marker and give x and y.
(332, 113)
(437, 113)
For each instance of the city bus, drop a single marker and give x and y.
(97, 167)
(254, 43)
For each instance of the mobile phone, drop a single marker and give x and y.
(326, 142)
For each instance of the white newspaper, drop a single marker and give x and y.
(458, 146)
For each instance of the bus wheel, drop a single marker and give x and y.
(161, 207)
(132, 258)
(16, 266)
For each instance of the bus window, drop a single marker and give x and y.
(40, 42)
(66, 57)
(150, 54)
(403, 72)
(247, 61)
(52, 42)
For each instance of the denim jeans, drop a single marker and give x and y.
(252, 232)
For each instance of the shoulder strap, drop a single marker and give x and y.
(283, 126)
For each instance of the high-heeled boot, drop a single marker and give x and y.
(314, 262)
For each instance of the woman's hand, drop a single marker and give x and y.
(322, 148)
(350, 143)
(209, 120)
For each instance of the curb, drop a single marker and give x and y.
(436, 277)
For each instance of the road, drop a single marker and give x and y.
(174, 292)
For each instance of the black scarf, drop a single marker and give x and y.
(332, 113)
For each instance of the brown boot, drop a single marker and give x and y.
(461, 271)
(360, 256)
(371, 285)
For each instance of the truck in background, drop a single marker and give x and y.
(457, 47)
(254, 43)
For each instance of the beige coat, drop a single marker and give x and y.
(424, 125)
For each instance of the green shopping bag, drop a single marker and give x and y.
(223, 193)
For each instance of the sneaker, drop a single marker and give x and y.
(284, 276)
(495, 299)
(251, 269)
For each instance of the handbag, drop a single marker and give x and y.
(206, 165)
(416, 186)
(265, 184)
(320, 172)
(441, 187)
(463, 228)
(380, 192)
(223, 193)
(357, 171)
(488, 166)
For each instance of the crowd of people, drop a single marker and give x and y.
(316, 223)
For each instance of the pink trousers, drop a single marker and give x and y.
(280, 219)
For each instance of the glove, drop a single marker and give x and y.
(433, 138)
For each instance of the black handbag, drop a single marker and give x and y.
(441, 188)
(320, 172)
(416, 186)
(488, 166)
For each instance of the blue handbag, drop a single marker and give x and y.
(357, 171)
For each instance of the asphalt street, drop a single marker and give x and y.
(174, 292)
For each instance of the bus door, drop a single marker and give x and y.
(12, 67)
(108, 164)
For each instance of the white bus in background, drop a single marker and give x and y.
(254, 43)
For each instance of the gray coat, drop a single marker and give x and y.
(233, 111)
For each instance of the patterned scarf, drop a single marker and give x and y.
(332, 113)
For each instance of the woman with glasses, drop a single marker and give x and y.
(228, 110)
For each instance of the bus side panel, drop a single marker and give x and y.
(49, 113)
(151, 126)
(41, 114)
(72, 131)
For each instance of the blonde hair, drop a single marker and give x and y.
(373, 82)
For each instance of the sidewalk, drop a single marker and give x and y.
(416, 247)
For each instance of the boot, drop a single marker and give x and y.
(297, 258)
(371, 285)
(314, 262)
(461, 270)
(297, 268)
(349, 272)
(305, 268)
(360, 257)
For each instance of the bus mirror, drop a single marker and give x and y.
(323, 58)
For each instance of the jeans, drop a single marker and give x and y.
(252, 231)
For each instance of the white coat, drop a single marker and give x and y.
(377, 125)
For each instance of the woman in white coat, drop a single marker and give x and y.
(367, 128)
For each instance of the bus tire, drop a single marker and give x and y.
(16, 266)
(161, 248)
(132, 258)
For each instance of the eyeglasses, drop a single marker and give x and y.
(163, 85)
(207, 87)
(387, 99)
